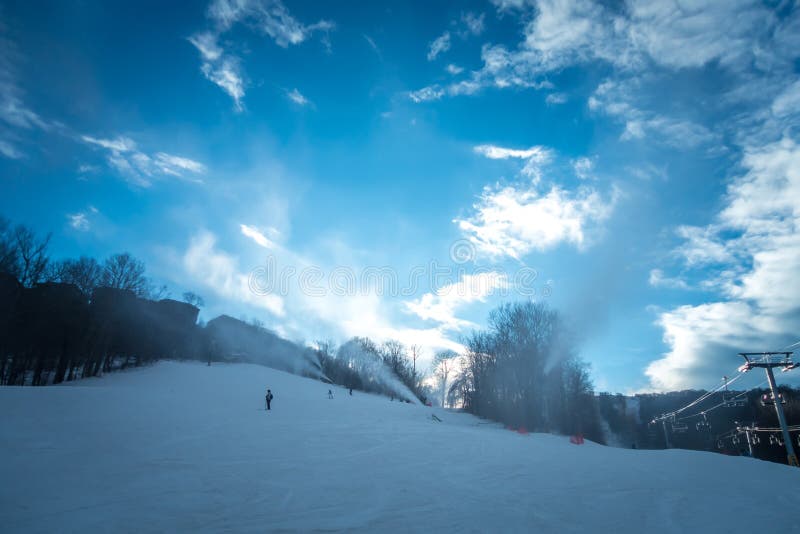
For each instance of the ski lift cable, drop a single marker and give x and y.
(700, 399)
(723, 403)
(795, 428)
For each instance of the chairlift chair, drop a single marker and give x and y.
(678, 427)
(767, 399)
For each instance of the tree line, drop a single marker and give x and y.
(80, 317)
(706, 427)
(524, 371)
(388, 368)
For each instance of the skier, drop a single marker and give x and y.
(269, 399)
(351, 392)
(330, 394)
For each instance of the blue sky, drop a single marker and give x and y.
(635, 164)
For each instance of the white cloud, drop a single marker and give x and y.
(169, 164)
(659, 279)
(788, 102)
(426, 94)
(496, 152)
(535, 157)
(690, 34)
(473, 23)
(220, 68)
(616, 98)
(219, 272)
(556, 34)
(206, 44)
(78, 221)
(442, 305)
(9, 150)
(297, 97)
(439, 45)
(513, 221)
(138, 167)
(372, 44)
(510, 5)
(13, 110)
(256, 235)
(454, 69)
(749, 256)
(583, 168)
(269, 17)
(556, 98)
(120, 144)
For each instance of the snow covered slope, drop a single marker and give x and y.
(185, 447)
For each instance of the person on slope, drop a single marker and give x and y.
(330, 394)
(269, 399)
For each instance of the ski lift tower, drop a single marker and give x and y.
(767, 361)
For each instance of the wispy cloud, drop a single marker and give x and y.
(534, 157)
(454, 69)
(14, 112)
(747, 256)
(659, 279)
(78, 221)
(583, 168)
(269, 17)
(473, 23)
(220, 68)
(373, 45)
(438, 46)
(139, 167)
(258, 236)
(616, 98)
(426, 94)
(219, 272)
(9, 150)
(297, 97)
(497, 152)
(441, 305)
(81, 221)
(556, 35)
(514, 220)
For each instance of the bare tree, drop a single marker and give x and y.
(31, 255)
(442, 369)
(123, 271)
(8, 251)
(415, 350)
(86, 273)
(155, 292)
(194, 299)
(394, 353)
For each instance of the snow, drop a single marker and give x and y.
(186, 447)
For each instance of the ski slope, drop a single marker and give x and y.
(186, 447)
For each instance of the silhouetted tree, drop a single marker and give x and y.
(85, 273)
(194, 299)
(8, 250)
(123, 271)
(30, 254)
(522, 371)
